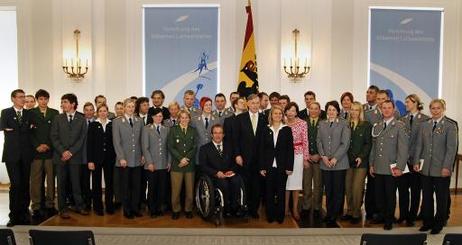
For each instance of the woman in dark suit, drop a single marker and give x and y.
(101, 155)
(333, 141)
(358, 156)
(276, 163)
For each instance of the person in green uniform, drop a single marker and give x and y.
(182, 144)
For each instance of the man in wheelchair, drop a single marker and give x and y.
(216, 161)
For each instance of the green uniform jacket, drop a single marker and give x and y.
(312, 134)
(360, 144)
(41, 131)
(182, 145)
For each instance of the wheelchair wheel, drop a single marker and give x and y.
(205, 196)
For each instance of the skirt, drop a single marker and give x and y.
(295, 181)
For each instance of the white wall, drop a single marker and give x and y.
(334, 35)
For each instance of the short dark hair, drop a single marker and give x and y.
(347, 94)
(374, 87)
(88, 104)
(42, 93)
(389, 101)
(119, 103)
(140, 101)
(284, 97)
(158, 91)
(290, 105)
(310, 93)
(99, 96)
(261, 94)
(274, 95)
(133, 97)
(333, 103)
(234, 92)
(17, 91)
(156, 111)
(220, 95)
(217, 126)
(72, 98)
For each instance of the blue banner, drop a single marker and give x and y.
(405, 52)
(181, 51)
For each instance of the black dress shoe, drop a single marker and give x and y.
(110, 211)
(138, 214)
(436, 230)
(388, 226)
(99, 212)
(316, 214)
(154, 215)
(255, 215)
(377, 221)
(189, 215)
(175, 215)
(400, 220)
(346, 217)
(410, 223)
(51, 212)
(36, 214)
(11, 223)
(332, 224)
(425, 228)
(280, 221)
(129, 215)
(355, 221)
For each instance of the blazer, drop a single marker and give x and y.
(228, 126)
(334, 141)
(99, 143)
(67, 136)
(41, 131)
(312, 136)
(282, 150)
(127, 140)
(375, 116)
(413, 132)
(245, 142)
(182, 145)
(17, 142)
(155, 148)
(360, 144)
(170, 123)
(438, 147)
(224, 114)
(389, 146)
(204, 134)
(211, 162)
(165, 113)
(304, 114)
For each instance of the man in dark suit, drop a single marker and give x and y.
(216, 160)
(304, 114)
(157, 98)
(246, 135)
(18, 154)
(68, 136)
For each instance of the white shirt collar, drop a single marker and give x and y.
(414, 114)
(216, 144)
(16, 110)
(155, 125)
(69, 114)
(253, 114)
(107, 120)
(388, 121)
(437, 120)
(128, 117)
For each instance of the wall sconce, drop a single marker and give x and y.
(293, 71)
(73, 66)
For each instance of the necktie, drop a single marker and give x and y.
(184, 130)
(19, 116)
(352, 125)
(174, 122)
(330, 125)
(219, 114)
(434, 125)
(158, 129)
(206, 123)
(312, 123)
(411, 120)
(70, 118)
(384, 125)
(346, 115)
(131, 122)
(143, 118)
(370, 107)
(88, 122)
(219, 150)
(254, 122)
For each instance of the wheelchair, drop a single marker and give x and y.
(210, 203)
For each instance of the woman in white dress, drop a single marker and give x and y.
(301, 156)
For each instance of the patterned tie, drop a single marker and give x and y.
(19, 116)
(220, 151)
(131, 122)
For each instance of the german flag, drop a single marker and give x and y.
(248, 79)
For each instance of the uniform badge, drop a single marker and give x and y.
(177, 141)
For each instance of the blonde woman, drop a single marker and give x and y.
(358, 157)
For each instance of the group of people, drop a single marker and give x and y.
(152, 156)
